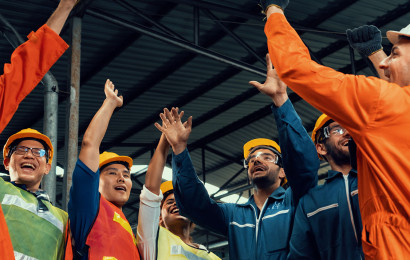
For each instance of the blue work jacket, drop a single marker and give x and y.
(327, 222)
(252, 233)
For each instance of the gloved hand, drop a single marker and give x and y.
(279, 3)
(366, 39)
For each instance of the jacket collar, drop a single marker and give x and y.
(333, 174)
(277, 194)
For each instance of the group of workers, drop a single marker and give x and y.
(361, 211)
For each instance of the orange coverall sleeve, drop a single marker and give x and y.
(376, 114)
(6, 248)
(29, 63)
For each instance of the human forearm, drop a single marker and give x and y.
(148, 224)
(59, 17)
(300, 159)
(156, 166)
(94, 134)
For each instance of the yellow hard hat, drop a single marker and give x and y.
(107, 157)
(319, 124)
(258, 142)
(29, 133)
(166, 186)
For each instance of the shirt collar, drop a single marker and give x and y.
(277, 194)
(333, 174)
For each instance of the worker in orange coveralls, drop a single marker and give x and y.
(376, 114)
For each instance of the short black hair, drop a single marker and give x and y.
(115, 162)
(16, 142)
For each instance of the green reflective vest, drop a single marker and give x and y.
(34, 233)
(170, 246)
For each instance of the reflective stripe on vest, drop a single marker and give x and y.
(20, 202)
(111, 236)
(34, 233)
(20, 256)
(171, 246)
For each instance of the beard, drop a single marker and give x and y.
(339, 156)
(265, 181)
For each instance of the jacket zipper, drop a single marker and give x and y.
(257, 221)
(350, 208)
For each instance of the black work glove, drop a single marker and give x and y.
(279, 3)
(366, 39)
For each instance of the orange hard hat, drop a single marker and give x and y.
(29, 133)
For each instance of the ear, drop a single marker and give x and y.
(321, 149)
(6, 163)
(48, 168)
(282, 174)
(161, 221)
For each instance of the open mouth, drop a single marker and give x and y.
(28, 166)
(174, 211)
(258, 169)
(120, 188)
(345, 143)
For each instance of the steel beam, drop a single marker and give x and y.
(177, 42)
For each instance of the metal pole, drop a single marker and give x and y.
(50, 121)
(71, 141)
(196, 25)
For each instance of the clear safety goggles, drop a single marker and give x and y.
(336, 130)
(266, 157)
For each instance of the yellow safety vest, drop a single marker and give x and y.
(35, 234)
(171, 247)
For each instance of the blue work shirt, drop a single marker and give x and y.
(327, 221)
(83, 204)
(251, 234)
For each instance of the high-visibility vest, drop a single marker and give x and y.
(170, 246)
(111, 236)
(6, 248)
(34, 232)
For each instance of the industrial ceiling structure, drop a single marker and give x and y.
(192, 54)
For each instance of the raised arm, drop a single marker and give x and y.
(30, 62)
(192, 199)
(300, 159)
(90, 146)
(59, 17)
(367, 40)
(84, 196)
(150, 202)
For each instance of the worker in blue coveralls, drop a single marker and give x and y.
(260, 228)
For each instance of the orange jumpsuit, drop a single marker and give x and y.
(29, 63)
(377, 115)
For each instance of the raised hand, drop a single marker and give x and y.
(366, 39)
(273, 86)
(111, 94)
(176, 132)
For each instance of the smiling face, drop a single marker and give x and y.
(170, 217)
(397, 66)
(336, 147)
(26, 168)
(263, 172)
(115, 184)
